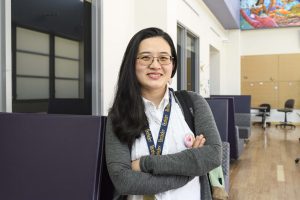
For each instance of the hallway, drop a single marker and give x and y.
(267, 169)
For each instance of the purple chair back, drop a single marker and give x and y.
(50, 156)
(219, 108)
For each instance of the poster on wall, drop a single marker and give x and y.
(261, 14)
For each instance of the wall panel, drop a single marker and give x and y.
(271, 79)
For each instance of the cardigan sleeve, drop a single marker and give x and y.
(129, 182)
(194, 161)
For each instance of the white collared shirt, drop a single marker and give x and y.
(174, 142)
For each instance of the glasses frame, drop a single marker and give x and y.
(157, 58)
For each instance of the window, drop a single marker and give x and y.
(51, 55)
(34, 66)
(68, 70)
(187, 51)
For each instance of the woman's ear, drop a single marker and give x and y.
(170, 81)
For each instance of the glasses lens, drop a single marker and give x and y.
(148, 59)
(164, 60)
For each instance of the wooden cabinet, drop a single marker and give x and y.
(271, 79)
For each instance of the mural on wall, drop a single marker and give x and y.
(257, 14)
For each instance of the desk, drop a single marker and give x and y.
(264, 112)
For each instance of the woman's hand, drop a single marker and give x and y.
(191, 142)
(199, 141)
(135, 165)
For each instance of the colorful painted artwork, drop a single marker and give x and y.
(258, 14)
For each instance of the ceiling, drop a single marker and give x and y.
(226, 11)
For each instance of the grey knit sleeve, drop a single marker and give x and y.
(194, 161)
(129, 182)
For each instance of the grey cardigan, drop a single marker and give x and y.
(166, 172)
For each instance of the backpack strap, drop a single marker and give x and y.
(187, 107)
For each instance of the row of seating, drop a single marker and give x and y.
(63, 156)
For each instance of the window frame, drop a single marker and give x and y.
(182, 58)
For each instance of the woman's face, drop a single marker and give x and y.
(153, 74)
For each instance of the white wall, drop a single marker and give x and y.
(214, 71)
(8, 56)
(204, 24)
(121, 19)
(197, 18)
(117, 29)
(2, 56)
(5, 57)
(231, 71)
(270, 41)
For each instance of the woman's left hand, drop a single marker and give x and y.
(135, 165)
(199, 141)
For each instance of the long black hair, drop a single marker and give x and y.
(128, 111)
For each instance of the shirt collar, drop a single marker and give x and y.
(162, 104)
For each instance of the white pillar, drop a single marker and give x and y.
(2, 56)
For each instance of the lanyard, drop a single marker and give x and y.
(162, 131)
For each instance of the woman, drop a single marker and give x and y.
(144, 111)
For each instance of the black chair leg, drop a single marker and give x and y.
(285, 123)
(297, 159)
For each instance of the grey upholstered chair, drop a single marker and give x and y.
(243, 121)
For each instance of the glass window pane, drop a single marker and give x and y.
(190, 44)
(191, 62)
(66, 68)
(32, 88)
(34, 41)
(66, 48)
(66, 89)
(31, 64)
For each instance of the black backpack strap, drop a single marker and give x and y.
(187, 107)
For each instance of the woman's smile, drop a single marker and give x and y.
(154, 75)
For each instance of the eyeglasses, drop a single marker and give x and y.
(148, 59)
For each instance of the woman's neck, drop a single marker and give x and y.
(154, 96)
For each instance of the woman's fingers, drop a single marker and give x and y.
(202, 142)
(199, 141)
(196, 142)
